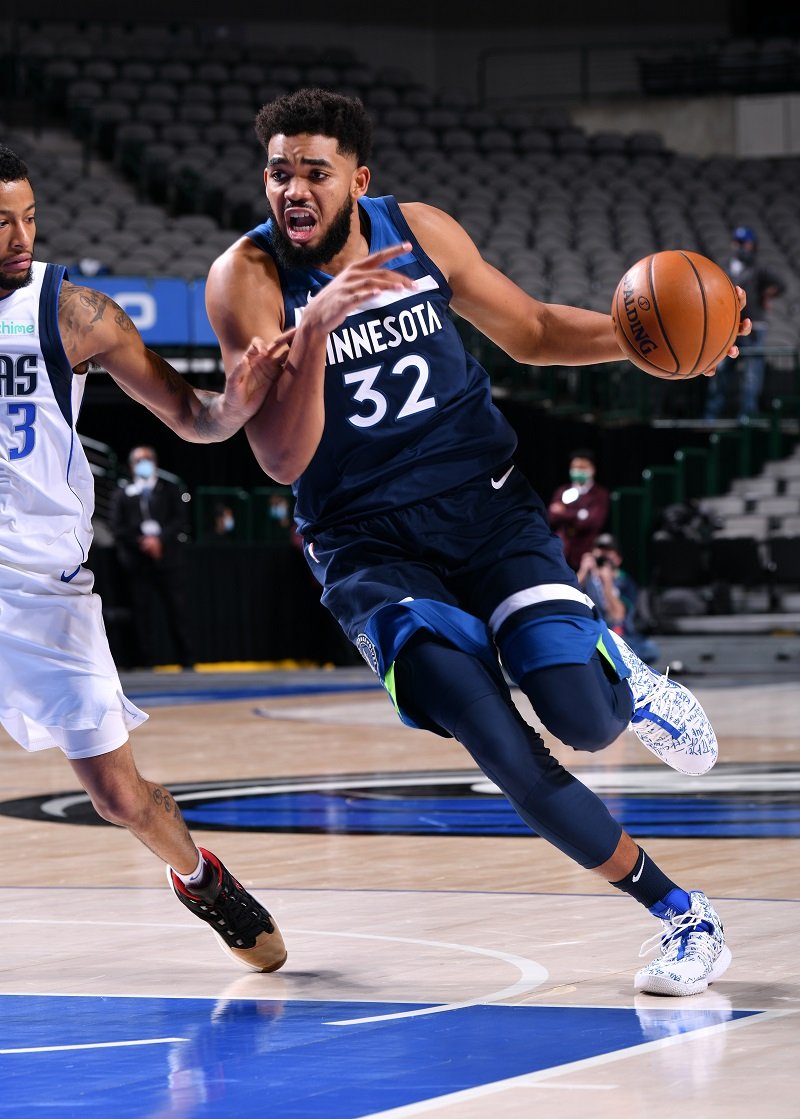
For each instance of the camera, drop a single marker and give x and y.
(602, 561)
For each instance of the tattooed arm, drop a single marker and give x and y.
(94, 327)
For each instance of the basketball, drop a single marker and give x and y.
(675, 314)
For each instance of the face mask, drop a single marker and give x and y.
(744, 255)
(227, 524)
(579, 477)
(144, 468)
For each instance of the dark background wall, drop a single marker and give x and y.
(440, 14)
(739, 17)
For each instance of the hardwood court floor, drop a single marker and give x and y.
(442, 960)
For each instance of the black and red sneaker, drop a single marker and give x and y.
(245, 929)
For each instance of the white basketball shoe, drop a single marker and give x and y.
(667, 718)
(693, 952)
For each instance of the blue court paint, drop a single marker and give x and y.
(287, 1060)
(391, 811)
(181, 697)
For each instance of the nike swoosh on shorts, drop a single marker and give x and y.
(501, 481)
(68, 578)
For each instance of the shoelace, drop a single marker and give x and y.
(656, 692)
(230, 911)
(675, 928)
(238, 916)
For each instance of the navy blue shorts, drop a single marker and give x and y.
(472, 547)
(460, 564)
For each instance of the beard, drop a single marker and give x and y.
(14, 283)
(291, 255)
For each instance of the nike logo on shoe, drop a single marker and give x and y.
(68, 578)
(638, 875)
(496, 485)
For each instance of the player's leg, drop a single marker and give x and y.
(121, 795)
(584, 681)
(453, 692)
(437, 684)
(440, 667)
(59, 675)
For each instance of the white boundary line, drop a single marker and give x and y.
(94, 1045)
(534, 1079)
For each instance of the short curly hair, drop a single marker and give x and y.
(12, 168)
(319, 112)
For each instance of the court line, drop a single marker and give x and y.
(532, 975)
(94, 1045)
(533, 1079)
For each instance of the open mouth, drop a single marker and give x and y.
(300, 224)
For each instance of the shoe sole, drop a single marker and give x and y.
(700, 763)
(268, 953)
(664, 985)
(267, 956)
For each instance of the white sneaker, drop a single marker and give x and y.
(693, 952)
(667, 718)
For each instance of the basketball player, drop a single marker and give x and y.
(60, 685)
(432, 549)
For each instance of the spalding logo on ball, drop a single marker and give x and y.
(675, 314)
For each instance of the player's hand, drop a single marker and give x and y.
(745, 326)
(356, 287)
(259, 367)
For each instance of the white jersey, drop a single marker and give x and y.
(46, 483)
(60, 684)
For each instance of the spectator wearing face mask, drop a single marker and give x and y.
(150, 524)
(223, 524)
(579, 508)
(745, 374)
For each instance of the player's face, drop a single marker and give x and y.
(312, 193)
(17, 233)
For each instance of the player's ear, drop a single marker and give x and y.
(360, 182)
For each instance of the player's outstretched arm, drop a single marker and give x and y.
(94, 327)
(528, 330)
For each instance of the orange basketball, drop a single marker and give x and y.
(675, 314)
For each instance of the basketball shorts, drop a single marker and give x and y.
(60, 684)
(477, 566)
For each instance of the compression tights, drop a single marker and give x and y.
(460, 695)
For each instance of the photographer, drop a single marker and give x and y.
(615, 593)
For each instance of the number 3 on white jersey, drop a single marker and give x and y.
(23, 427)
(366, 393)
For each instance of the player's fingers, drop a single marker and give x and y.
(279, 344)
(389, 253)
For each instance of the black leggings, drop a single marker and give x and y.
(457, 692)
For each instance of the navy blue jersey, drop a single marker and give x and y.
(408, 412)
